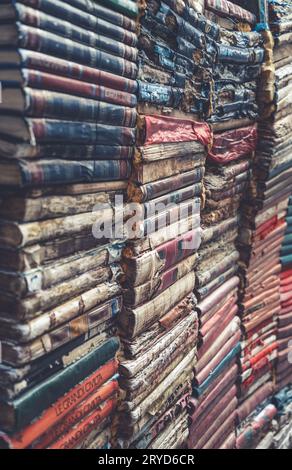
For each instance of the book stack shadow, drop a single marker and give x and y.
(238, 64)
(67, 126)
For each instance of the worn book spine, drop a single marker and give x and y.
(19, 235)
(127, 7)
(48, 172)
(33, 308)
(135, 321)
(87, 406)
(57, 22)
(52, 44)
(43, 22)
(35, 401)
(91, 422)
(142, 294)
(144, 174)
(60, 409)
(75, 151)
(77, 11)
(139, 270)
(103, 90)
(191, 192)
(23, 208)
(54, 131)
(65, 309)
(143, 193)
(53, 105)
(31, 61)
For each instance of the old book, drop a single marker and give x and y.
(26, 283)
(60, 408)
(127, 7)
(31, 257)
(152, 403)
(63, 290)
(155, 171)
(43, 131)
(78, 413)
(134, 296)
(33, 307)
(16, 235)
(54, 105)
(150, 191)
(24, 208)
(56, 20)
(88, 424)
(13, 33)
(80, 345)
(138, 270)
(172, 198)
(135, 321)
(66, 151)
(142, 227)
(83, 13)
(66, 326)
(157, 152)
(27, 66)
(19, 378)
(31, 79)
(174, 230)
(52, 44)
(19, 413)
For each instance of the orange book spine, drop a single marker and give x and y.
(74, 437)
(79, 412)
(62, 407)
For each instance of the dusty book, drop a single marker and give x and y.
(39, 103)
(35, 131)
(31, 281)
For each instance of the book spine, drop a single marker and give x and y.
(51, 44)
(58, 172)
(78, 413)
(53, 105)
(76, 11)
(32, 404)
(62, 407)
(157, 189)
(60, 67)
(45, 81)
(54, 131)
(37, 19)
(40, 19)
(72, 439)
(127, 7)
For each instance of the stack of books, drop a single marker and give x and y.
(158, 324)
(68, 126)
(264, 225)
(284, 367)
(227, 175)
